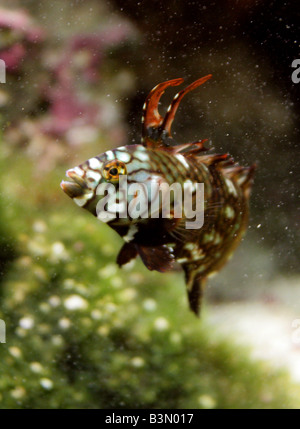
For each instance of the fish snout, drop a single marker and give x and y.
(75, 188)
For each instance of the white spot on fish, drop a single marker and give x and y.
(171, 248)
(110, 155)
(78, 171)
(95, 164)
(197, 254)
(231, 187)
(217, 239)
(123, 156)
(189, 246)
(144, 106)
(176, 96)
(183, 161)
(139, 176)
(208, 237)
(81, 201)
(133, 229)
(142, 119)
(189, 186)
(182, 260)
(93, 175)
(141, 156)
(229, 212)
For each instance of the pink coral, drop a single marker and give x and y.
(20, 22)
(23, 30)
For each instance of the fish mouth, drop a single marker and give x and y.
(76, 188)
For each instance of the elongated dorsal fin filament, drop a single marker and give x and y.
(156, 130)
(167, 122)
(151, 116)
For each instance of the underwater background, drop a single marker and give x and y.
(82, 333)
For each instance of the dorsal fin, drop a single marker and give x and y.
(156, 130)
(151, 118)
(188, 149)
(225, 159)
(195, 148)
(245, 178)
(172, 109)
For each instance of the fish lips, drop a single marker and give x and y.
(76, 188)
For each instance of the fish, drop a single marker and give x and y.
(164, 243)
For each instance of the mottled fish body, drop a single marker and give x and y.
(165, 243)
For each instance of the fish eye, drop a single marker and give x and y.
(113, 169)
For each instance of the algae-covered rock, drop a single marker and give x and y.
(7, 244)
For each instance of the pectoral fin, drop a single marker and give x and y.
(158, 258)
(126, 254)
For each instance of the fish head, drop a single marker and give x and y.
(87, 182)
(83, 181)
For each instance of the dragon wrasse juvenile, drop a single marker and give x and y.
(165, 243)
